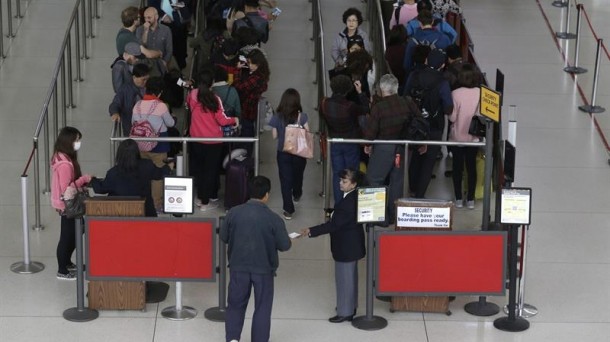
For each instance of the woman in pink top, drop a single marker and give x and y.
(66, 171)
(404, 10)
(207, 119)
(465, 106)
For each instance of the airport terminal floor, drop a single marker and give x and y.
(560, 155)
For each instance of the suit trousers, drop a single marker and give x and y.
(346, 285)
(240, 287)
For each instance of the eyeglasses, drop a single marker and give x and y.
(352, 20)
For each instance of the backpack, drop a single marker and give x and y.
(143, 129)
(425, 42)
(425, 92)
(397, 13)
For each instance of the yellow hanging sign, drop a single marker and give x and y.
(490, 104)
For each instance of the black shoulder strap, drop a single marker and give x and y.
(397, 13)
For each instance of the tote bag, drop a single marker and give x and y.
(298, 141)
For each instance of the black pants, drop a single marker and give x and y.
(461, 156)
(204, 164)
(67, 244)
(422, 165)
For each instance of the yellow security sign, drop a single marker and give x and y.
(490, 104)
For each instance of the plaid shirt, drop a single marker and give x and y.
(341, 116)
(250, 90)
(388, 117)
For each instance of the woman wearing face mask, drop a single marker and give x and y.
(66, 171)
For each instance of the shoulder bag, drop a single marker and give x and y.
(298, 141)
(74, 200)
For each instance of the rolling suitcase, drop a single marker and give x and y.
(238, 173)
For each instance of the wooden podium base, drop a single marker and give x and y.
(117, 295)
(421, 304)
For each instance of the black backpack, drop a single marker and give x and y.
(425, 92)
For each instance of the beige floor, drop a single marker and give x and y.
(560, 155)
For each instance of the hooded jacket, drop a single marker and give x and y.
(63, 175)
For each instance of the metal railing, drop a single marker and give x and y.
(61, 88)
(9, 20)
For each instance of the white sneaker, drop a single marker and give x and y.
(459, 204)
(234, 341)
(209, 206)
(470, 204)
(197, 202)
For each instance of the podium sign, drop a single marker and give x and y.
(516, 206)
(372, 204)
(178, 195)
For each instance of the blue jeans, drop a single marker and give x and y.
(240, 286)
(291, 169)
(343, 156)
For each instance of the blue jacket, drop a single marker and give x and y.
(254, 234)
(414, 25)
(428, 36)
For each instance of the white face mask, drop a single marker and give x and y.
(76, 145)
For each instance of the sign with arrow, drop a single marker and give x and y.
(490, 104)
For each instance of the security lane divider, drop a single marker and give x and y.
(217, 313)
(26, 266)
(592, 107)
(186, 140)
(575, 69)
(565, 34)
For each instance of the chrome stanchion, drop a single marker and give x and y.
(80, 313)
(9, 8)
(560, 3)
(592, 108)
(26, 266)
(18, 15)
(91, 35)
(77, 41)
(523, 309)
(179, 312)
(565, 34)
(368, 321)
(217, 314)
(2, 55)
(85, 33)
(37, 224)
(69, 64)
(575, 69)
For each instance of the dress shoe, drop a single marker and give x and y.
(339, 319)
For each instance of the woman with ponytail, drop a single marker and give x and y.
(207, 119)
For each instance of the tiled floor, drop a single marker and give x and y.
(560, 155)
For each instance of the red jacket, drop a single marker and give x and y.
(204, 123)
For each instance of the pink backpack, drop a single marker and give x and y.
(143, 129)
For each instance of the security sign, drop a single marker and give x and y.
(490, 104)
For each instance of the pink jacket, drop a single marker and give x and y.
(465, 106)
(205, 124)
(63, 175)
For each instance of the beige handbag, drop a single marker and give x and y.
(298, 140)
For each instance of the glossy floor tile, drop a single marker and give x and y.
(561, 155)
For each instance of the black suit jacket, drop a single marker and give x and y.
(346, 235)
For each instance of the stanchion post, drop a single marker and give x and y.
(592, 108)
(482, 307)
(559, 3)
(18, 15)
(217, 314)
(9, 8)
(512, 323)
(328, 177)
(565, 34)
(179, 312)
(26, 266)
(525, 310)
(575, 69)
(2, 55)
(368, 321)
(80, 313)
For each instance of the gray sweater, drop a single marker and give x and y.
(254, 234)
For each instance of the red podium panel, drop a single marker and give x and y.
(441, 263)
(150, 249)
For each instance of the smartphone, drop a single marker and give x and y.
(276, 12)
(242, 58)
(181, 82)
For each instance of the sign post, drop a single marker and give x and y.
(371, 208)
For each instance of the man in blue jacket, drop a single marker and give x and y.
(427, 35)
(254, 234)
